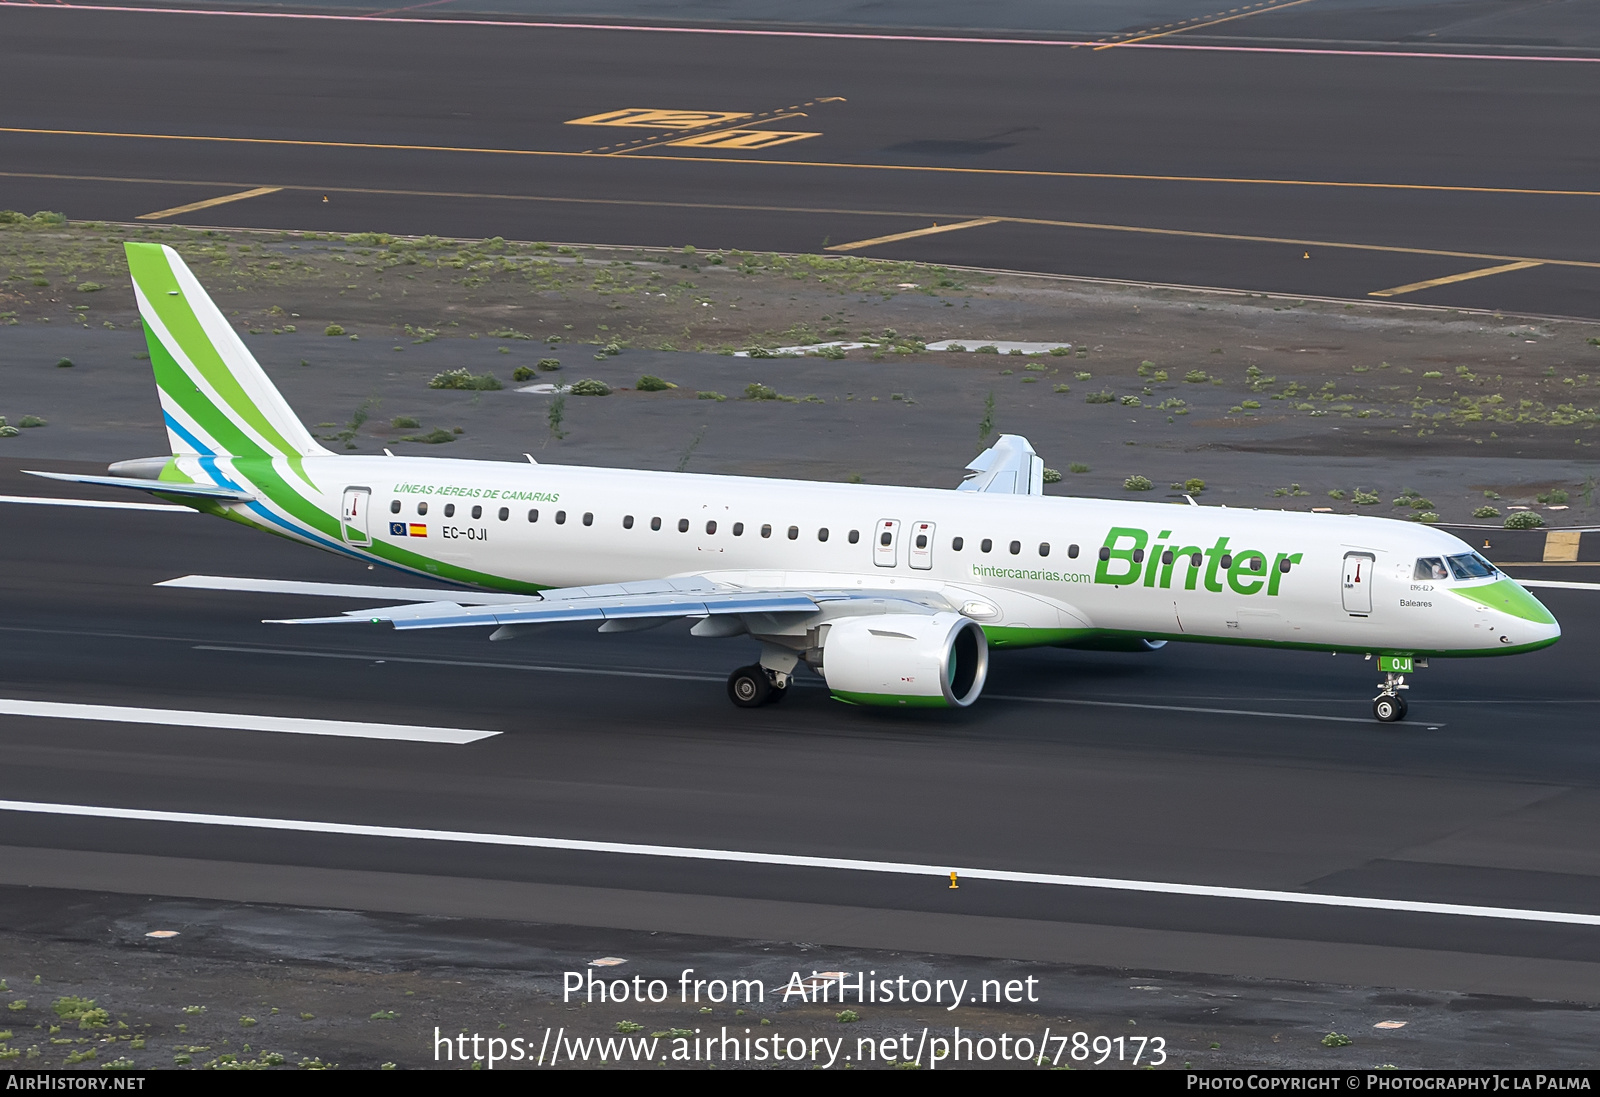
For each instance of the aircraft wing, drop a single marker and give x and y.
(623, 605)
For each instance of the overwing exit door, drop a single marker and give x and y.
(885, 540)
(1358, 583)
(354, 523)
(920, 554)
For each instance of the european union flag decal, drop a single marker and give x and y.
(397, 529)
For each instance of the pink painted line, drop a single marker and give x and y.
(819, 34)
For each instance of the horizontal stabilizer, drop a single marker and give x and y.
(163, 487)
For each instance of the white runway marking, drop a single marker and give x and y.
(847, 864)
(292, 725)
(103, 504)
(1558, 584)
(1190, 708)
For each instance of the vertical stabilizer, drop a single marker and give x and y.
(215, 397)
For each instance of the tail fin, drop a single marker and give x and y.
(214, 395)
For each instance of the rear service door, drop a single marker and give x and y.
(354, 524)
(885, 540)
(1358, 583)
(920, 554)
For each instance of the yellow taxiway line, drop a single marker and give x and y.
(1160, 32)
(159, 214)
(956, 219)
(929, 231)
(1465, 276)
(1020, 173)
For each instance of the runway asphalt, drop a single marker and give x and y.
(1320, 173)
(1334, 172)
(1124, 767)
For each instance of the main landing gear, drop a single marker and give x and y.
(755, 685)
(1389, 706)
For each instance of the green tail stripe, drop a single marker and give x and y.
(151, 270)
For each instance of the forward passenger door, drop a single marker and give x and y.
(1358, 583)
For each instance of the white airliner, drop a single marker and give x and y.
(893, 595)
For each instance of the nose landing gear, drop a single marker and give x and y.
(1389, 706)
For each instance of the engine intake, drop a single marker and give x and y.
(938, 660)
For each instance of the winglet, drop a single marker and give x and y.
(1009, 467)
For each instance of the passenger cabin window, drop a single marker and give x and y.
(561, 517)
(985, 545)
(1138, 556)
(1072, 552)
(1044, 548)
(766, 531)
(449, 510)
(627, 521)
(738, 529)
(683, 525)
(1227, 560)
(922, 540)
(422, 507)
(588, 517)
(533, 515)
(1195, 560)
(794, 533)
(956, 543)
(477, 512)
(1016, 547)
(1105, 552)
(1166, 558)
(855, 535)
(711, 527)
(822, 534)
(505, 512)
(655, 523)
(1283, 565)
(394, 507)
(885, 538)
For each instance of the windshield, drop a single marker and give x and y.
(1430, 567)
(1469, 565)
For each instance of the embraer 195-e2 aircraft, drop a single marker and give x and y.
(893, 595)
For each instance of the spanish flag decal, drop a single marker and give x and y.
(407, 529)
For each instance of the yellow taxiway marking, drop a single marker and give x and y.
(734, 133)
(644, 118)
(1208, 21)
(255, 192)
(929, 231)
(1561, 546)
(1465, 276)
(741, 139)
(644, 203)
(1027, 173)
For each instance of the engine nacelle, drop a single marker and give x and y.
(936, 660)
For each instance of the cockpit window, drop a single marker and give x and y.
(1469, 565)
(1430, 567)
